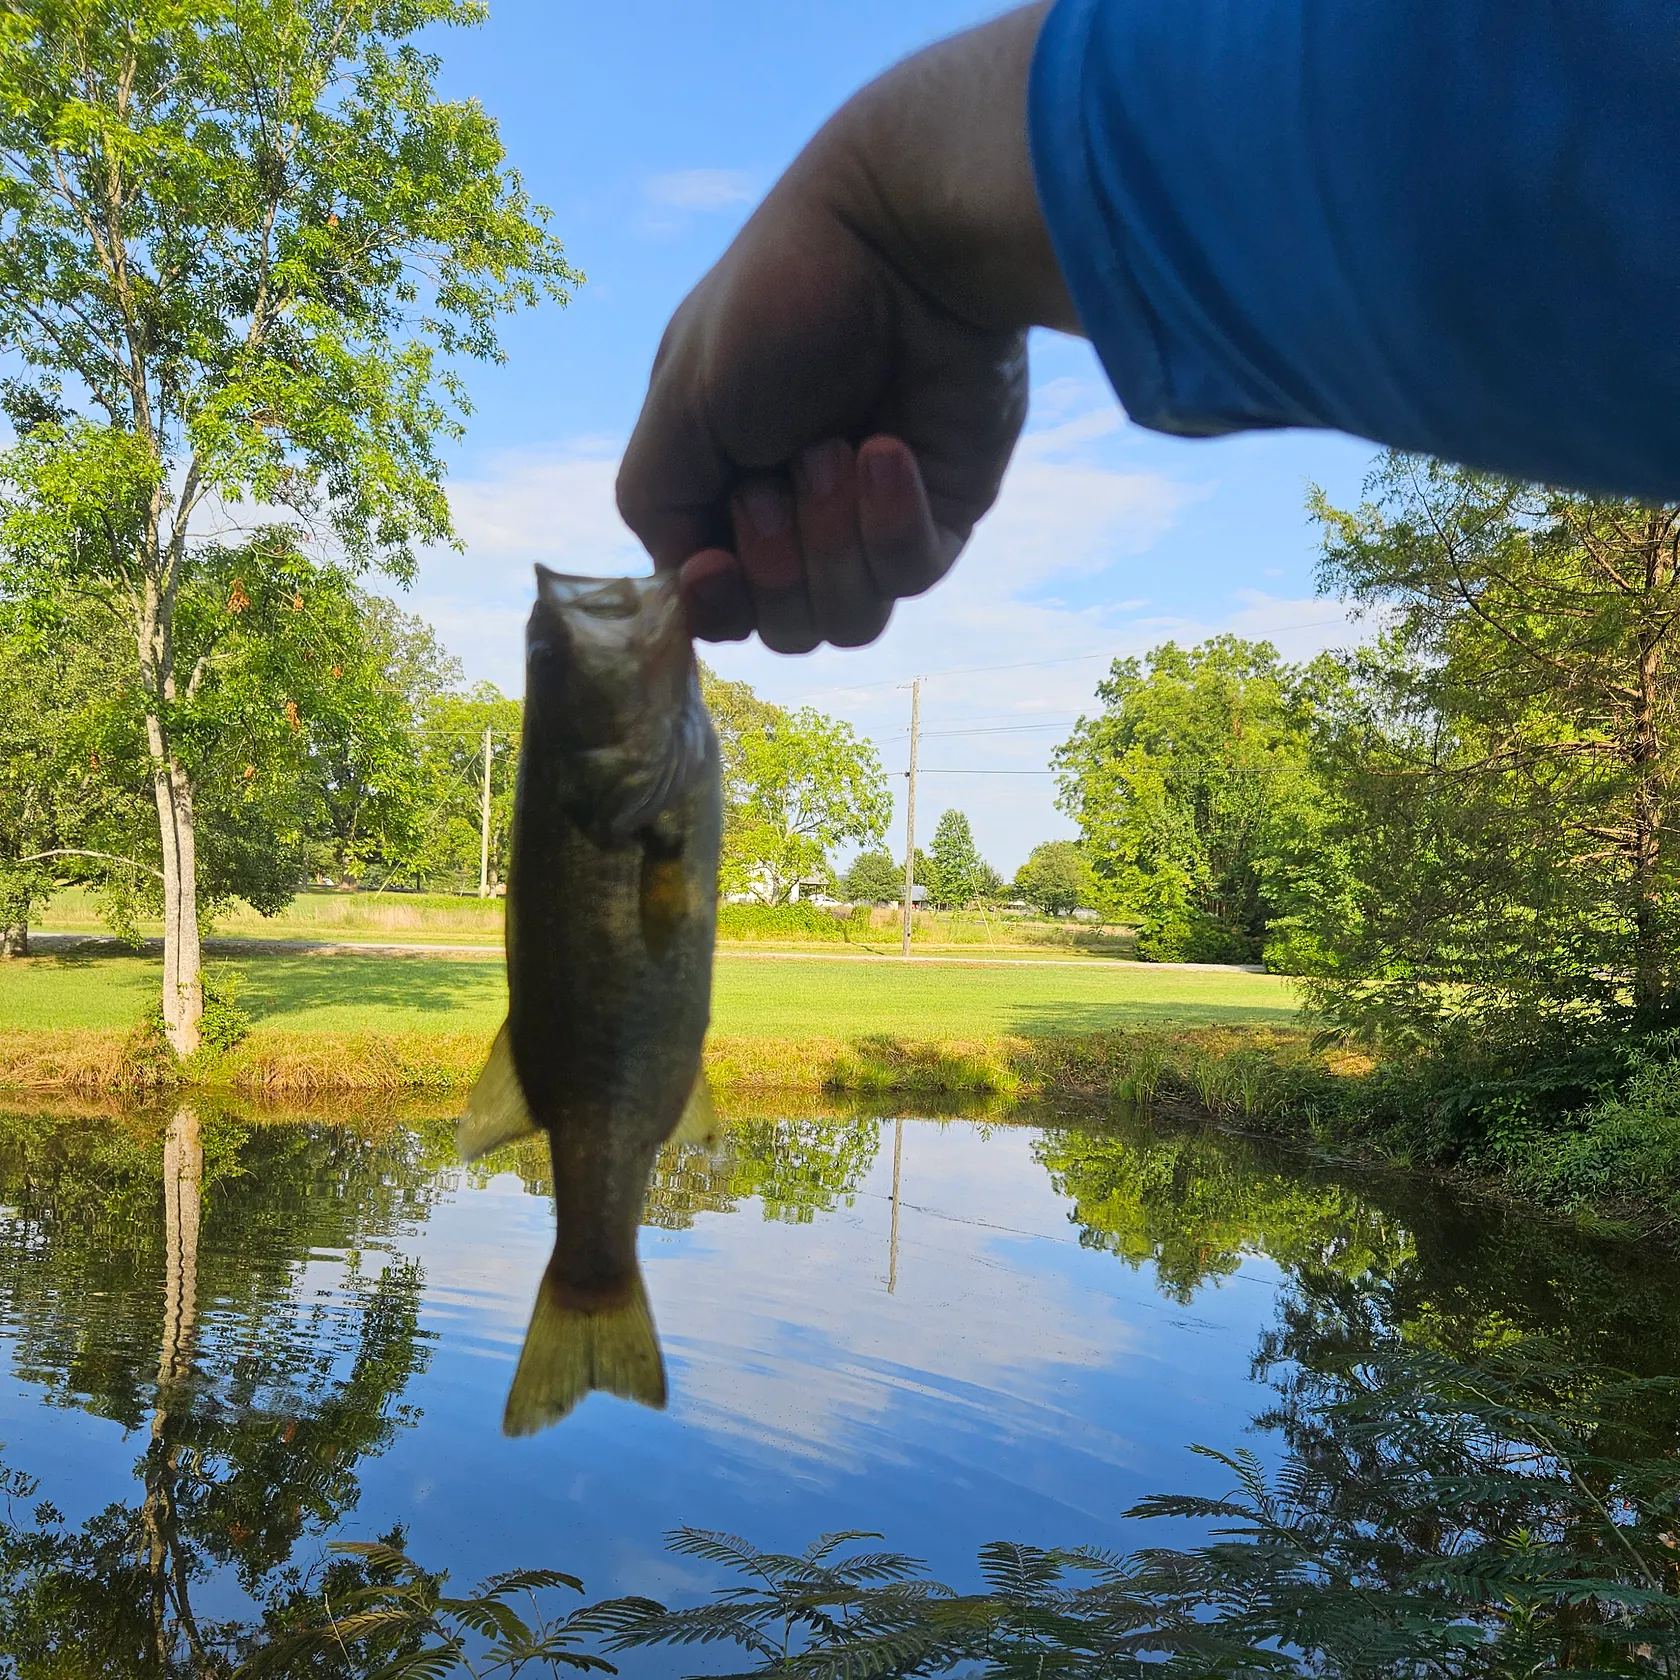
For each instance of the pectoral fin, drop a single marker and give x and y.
(577, 1344)
(497, 1112)
(699, 1124)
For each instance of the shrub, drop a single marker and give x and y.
(222, 1027)
(224, 1023)
(779, 921)
(1190, 936)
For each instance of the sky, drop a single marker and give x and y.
(650, 128)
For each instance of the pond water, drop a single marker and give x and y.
(949, 1329)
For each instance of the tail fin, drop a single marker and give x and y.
(578, 1344)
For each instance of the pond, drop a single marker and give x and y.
(949, 1329)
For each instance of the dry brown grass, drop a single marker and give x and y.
(88, 1062)
(1250, 1072)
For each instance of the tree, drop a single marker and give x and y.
(1056, 878)
(737, 714)
(795, 785)
(873, 877)
(1186, 787)
(1507, 758)
(247, 248)
(367, 772)
(959, 872)
(452, 748)
(64, 810)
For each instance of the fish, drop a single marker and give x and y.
(611, 922)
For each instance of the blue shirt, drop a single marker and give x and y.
(1446, 225)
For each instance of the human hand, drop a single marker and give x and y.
(833, 406)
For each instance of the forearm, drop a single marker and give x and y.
(930, 164)
(1447, 228)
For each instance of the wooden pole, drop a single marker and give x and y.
(910, 814)
(484, 824)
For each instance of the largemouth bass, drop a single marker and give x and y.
(611, 918)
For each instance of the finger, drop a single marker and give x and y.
(905, 552)
(767, 546)
(846, 607)
(715, 596)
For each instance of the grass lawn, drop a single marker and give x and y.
(435, 919)
(753, 997)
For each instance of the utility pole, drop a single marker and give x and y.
(910, 812)
(898, 1158)
(484, 826)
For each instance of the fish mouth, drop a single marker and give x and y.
(607, 598)
(606, 654)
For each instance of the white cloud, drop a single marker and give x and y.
(699, 189)
(1056, 582)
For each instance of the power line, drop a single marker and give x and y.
(996, 729)
(1039, 664)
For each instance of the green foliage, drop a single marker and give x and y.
(1432, 1517)
(795, 786)
(1504, 758)
(366, 793)
(781, 921)
(867, 1613)
(395, 1622)
(873, 877)
(1057, 879)
(812, 785)
(448, 831)
(250, 248)
(1197, 800)
(224, 1023)
(68, 804)
(958, 875)
(1189, 935)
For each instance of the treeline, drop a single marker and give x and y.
(1056, 879)
(331, 738)
(1462, 833)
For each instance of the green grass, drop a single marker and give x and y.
(770, 999)
(405, 918)
(435, 918)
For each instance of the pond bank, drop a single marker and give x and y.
(1617, 1157)
(1225, 1069)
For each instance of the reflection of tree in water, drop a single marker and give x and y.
(1193, 1204)
(795, 1167)
(1369, 1257)
(262, 1401)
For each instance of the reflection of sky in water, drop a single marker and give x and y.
(1013, 1385)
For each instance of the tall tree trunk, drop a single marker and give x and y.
(183, 983)
(1650, 943)
(14, 939)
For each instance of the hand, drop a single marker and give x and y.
(833, 406)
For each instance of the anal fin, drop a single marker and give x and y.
(578, 1344)
(497, 1112)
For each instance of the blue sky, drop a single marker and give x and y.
(649, 129)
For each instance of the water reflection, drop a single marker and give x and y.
(231, 1335)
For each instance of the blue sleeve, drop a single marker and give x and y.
(1446, 225)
